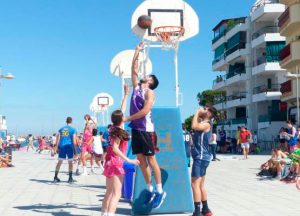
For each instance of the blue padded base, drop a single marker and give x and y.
(174, 170)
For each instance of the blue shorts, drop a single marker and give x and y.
(199, 168)
(66, 151)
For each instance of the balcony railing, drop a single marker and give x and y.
(285, 52)
(265, 30)
(236, 71)
(264, 88)
(238, 96)
(219, 99)
(219, 79)
(284, 17)
(235, 48)
(233, 121)
(269, 118)
(263, 3)
(216, 60)
(266, 59)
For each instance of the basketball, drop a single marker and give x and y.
(144, 22)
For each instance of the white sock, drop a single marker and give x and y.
(159, 188)
(93, 167)
(110, 214)
(150, 187)
(84, 169)
(103, 213)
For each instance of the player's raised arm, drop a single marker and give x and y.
(124, 100)
(135, 65)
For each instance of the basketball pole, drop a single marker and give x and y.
(176, 75)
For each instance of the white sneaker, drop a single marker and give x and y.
(84, 174)
(93, 171)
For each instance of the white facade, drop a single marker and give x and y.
(253, 74)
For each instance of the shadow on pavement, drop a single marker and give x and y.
(58, 210)
(61, 210)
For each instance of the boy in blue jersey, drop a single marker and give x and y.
(66, 143)
(201, 157)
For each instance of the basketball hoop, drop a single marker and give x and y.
(169, 35)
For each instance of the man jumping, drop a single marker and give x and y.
(144, 139)
(66, 142)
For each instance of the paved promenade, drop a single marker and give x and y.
(232, 185)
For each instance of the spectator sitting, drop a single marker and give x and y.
(5, 161)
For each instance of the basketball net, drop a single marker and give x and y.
(169, 36)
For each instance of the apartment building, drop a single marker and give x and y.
(289, 23)
(246, 50)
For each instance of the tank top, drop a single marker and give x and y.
(113, 157)
(293, 140)
(200, 147)
(137, 104)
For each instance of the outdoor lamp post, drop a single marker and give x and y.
(297, 76)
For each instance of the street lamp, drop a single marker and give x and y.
(297, 76)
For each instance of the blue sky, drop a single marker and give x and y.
(60, 52)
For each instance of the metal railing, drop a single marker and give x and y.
(238, 96)
(265, 30)
(265, 88)
(219, 99)
(235, 72)
(238, 46)
(216, 60)
(219, 79)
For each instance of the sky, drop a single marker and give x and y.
(60, 53)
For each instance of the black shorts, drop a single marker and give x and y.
(143, 142)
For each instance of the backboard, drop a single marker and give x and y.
(101, 102)
(104, 101)
(166, 13)
(121, 64)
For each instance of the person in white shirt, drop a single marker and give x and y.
(30, 142)
(97, 148)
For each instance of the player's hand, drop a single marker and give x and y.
(135, 162)
(125, 119)
(140, 46)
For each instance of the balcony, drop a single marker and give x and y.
(226, 27)
(290, 54)
(267, 10)
(235, 52)
(270, 118)
(265, 93)
(266, 65)
(266, 34)
(219, 64)
(220, 102)
(219, 82)
(238, 99)
(289, 21)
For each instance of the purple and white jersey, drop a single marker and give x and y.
(137, 103)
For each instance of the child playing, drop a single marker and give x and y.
(87, 143)
(113, 169)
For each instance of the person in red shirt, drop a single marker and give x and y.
(245, 141)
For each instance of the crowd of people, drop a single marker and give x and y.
(284, 163)
(5, 155)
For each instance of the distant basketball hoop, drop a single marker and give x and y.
(169, 36)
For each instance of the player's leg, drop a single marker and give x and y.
(116, 195)
(70, 154)
(108, 195)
